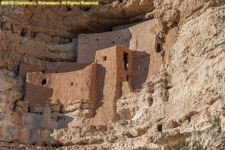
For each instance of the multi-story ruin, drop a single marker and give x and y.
(102, 73)
(103, 81)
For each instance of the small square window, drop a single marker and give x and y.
(104, 58)
(44, 81)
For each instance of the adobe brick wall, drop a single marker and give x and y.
(24, 69)
(141, 62)
(71, 66)
(141, 37)
(110, 75)
(144, 35)
(88, 44)
(145, 39)
(122, 74)
(37, 95)
(105, 108)
(60, 68)
(67, 88)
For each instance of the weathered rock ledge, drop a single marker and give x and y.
(180, 107)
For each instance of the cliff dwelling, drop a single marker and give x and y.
(120, 75)
(105, 80)
(100, 76)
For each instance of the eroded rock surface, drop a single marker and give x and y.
(182, 106)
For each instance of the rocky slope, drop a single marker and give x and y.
(182, 107)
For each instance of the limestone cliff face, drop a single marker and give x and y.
(180, 107)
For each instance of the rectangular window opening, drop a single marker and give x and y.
(127, 78)
(125, 59)
(104, 58)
